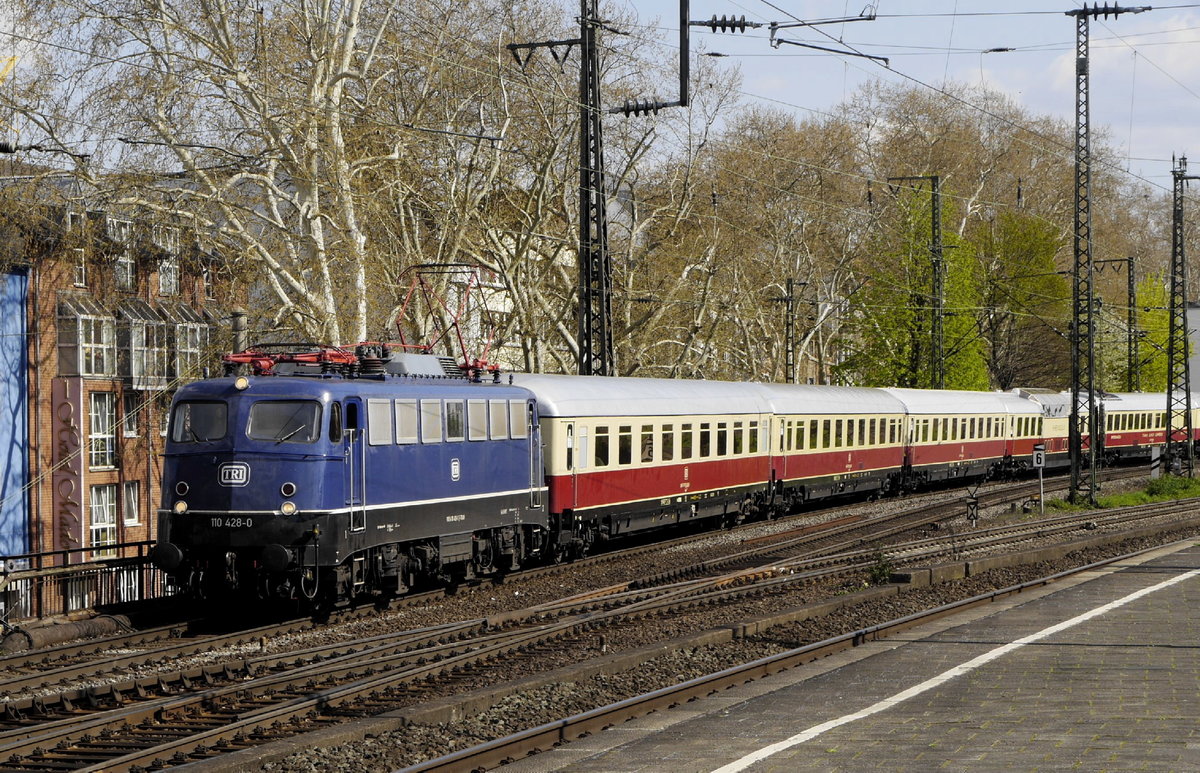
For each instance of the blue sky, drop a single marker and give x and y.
(1145, 68)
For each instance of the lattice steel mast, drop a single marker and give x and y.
(1180, 451)
(1084, 416)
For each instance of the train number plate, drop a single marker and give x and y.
(231, 522)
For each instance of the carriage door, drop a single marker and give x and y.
(354, 450)
(536, 475)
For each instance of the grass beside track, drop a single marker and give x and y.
(1164, 489)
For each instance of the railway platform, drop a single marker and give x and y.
(1097, 672)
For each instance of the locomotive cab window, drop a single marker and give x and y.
(285, 421)
(199, 422)
(335, 421)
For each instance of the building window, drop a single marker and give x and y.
(148, 354)
(102, 441)
(103, 529)
(97, 348)
(168, 277)
(130, 502)
(189, 340)
(210, 292)
(86, 338)
(120, 232)
(123, 273)
(130, 407)
(75, 227)
(79, 267)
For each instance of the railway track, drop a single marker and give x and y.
(168, 718)
(257, 699)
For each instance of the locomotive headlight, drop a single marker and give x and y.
(288, 508)
(180, 507)
(288, 489)
(241, 383)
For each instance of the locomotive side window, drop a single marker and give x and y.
(406, 421)
(498, 415)
(455, 420)
(285, 421)
(685, 441)
(477, 425)
(335, 421)
(516, 419)
(431, 421)
(199, 422)
(379, 422)
(601, 446)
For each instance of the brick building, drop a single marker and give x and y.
(102, 317)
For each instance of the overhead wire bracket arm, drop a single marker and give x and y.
(775, 42)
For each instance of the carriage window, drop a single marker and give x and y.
(862, 432)
(431, 421)
(624, 444)
(937, 425)
(722, 438)
(752, 435)
(647, 442)
(668, 442)
(738, 446)
(924, 430)
(705, 440)
(379, 422)
(570, 446)
(601, 446)
(871, 436)
(406, 421)
(335, 422)
(199, 422)
(477, 419)
(685, 441)
(826, 433)
(498, 415)
(516, 419)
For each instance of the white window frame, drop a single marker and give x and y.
(131, 496)
(190, 340)
(97, 345)
(102, 519)
(102, 431)
(168, 276)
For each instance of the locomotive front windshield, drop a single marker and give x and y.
(285, 421)
(199, 421)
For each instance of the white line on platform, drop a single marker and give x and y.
(942, 678)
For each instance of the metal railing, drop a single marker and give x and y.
(36, 586)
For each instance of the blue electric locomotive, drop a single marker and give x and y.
(323, 486)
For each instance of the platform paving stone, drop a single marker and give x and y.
(1118, 692)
